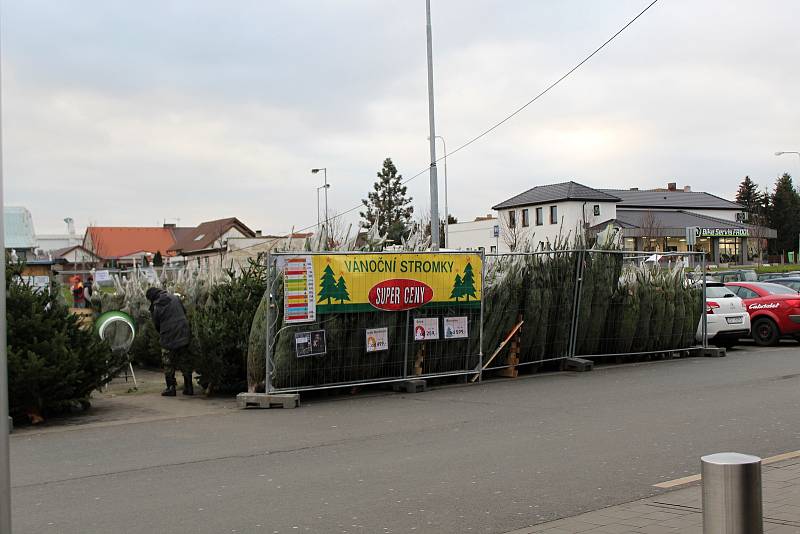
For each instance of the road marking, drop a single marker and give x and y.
(694, 478)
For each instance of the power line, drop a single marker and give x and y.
(512, 114)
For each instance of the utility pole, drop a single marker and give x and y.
(432, 138)
(5, 471)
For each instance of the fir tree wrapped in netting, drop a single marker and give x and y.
(221, 328)
(53, 363)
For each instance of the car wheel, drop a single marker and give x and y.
(765, 332)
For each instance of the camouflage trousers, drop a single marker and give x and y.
(176, 359)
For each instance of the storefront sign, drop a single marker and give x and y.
(426, 328)
(377, 339)
(722, 232)
(337, 283)
(455, 328)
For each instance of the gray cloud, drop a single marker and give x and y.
(198, 110)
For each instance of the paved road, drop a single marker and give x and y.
(489, 458)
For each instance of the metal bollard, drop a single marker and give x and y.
(732, 494)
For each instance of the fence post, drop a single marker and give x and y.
(267, 366)
(576, 304)
(405, 349)
(732, 494)
(480, 334)
(703, 305)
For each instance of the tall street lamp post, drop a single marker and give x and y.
(325, 186)
(432, 135)
(5, 472)
(446, 212)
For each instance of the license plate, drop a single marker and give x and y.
(735, 320)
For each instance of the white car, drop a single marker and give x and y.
(727, 316)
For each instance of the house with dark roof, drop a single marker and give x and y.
(120, 246)
(208, 240)
(654, 220)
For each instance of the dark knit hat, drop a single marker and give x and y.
(152, 293)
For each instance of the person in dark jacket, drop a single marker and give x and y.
(169, 317)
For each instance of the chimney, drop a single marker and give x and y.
(169, 225)
(258, 233)
(687, 188)
(672, 186)
(634, 188)
(70, 225)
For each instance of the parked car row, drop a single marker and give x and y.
(768, 311)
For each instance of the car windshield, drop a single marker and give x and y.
(777, 289)
(719, 292)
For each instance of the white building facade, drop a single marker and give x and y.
(551, 216)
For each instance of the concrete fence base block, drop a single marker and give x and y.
(580, 365)
(262, 400)
(714, 352)
(410, 386)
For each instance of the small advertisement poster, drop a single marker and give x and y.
(299, 305)
(102, 276)
(377, 339)
(455, 328)
(310, 343)
(426, 328)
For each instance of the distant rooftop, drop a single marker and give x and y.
(544, 194)
(661, 198)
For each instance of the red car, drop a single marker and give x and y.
(774, 310)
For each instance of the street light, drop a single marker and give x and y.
(326, 186)
(446, 213)
(782, 152)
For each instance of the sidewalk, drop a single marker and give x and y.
(680, 510)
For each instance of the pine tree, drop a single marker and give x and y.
(158, 261)
(784, 214)
(53, 363)
(458, 288)
(468, 283)
(751, 198)
(388, 206)
(341, 291)
(327, 285)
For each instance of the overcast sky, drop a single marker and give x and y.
(127, 113)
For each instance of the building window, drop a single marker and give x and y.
(597, 210)
(525, 218)
(512, 219)
(553, 214)
(539, 217)
(729, 250)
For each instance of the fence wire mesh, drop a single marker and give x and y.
(532, 308)
(341, 319)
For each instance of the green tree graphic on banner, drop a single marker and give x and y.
(468, 283)
(341, 291)
(328, 287)
(458, 289)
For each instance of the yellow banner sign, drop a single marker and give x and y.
(395, 281)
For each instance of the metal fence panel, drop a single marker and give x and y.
(353, 318)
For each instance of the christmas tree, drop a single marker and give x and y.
(468, 283)
(328, 288)
(341, 291)
(458, 288)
